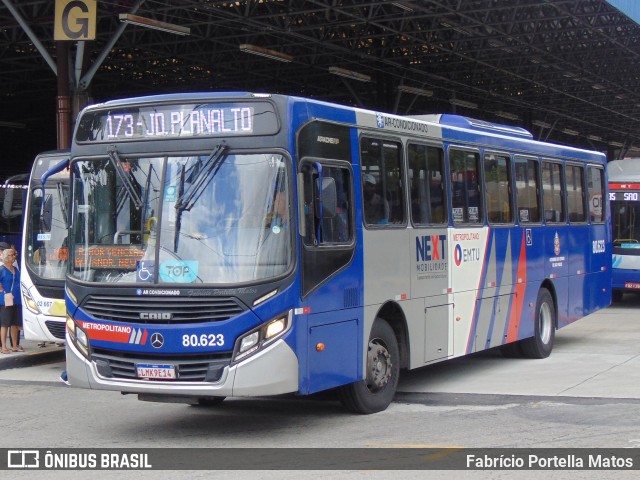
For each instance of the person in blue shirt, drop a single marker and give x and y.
(11, 309)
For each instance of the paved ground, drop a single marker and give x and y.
(596, 357)
(34, 354)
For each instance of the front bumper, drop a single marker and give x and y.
(272, 371)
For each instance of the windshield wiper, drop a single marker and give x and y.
(211, 165)
(116, 161)
(203, 176)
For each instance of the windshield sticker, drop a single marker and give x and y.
(170, 193)
(179, 271)
(145, 270)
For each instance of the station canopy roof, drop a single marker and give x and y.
(567, 70)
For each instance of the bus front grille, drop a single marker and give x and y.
(56, 328)
(150, 310)
(205, 368)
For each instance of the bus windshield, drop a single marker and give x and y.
(216, 218)
(46, 251)
(625, 220)
(12, 196)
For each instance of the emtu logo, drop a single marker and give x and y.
(465, 255)
(457, 255)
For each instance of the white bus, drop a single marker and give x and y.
(44, 252)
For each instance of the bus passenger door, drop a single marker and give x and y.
(330, 283)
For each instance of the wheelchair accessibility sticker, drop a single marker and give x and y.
(144, 271)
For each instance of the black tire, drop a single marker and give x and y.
(541, 344)
(616, 295)
(376, 392)
(208, 401)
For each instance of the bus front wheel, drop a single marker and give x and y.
(376, 391)
(541, 344)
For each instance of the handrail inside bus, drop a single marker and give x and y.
(58, 167)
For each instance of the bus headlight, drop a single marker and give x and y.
(29, 302)
(78, 337)
(256, 339)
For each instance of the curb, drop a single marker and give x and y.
(28, 359)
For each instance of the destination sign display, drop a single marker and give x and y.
(171, 121)
(108, 256)
(624, 196)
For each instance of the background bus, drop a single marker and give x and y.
(624, 196)
(244, 245)
(44, 251)
(13, 193)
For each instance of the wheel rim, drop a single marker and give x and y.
(378, 365)
(545, 320)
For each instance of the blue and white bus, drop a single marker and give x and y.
(44, 252)
(624, 195)
(238, 244)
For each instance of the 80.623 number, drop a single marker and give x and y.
(204, 340)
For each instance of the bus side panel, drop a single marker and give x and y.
(509, 287)
(499, 286)
(528, 277)
(335, 320)
(332, 351)
(468, 250)
(578, 253)
(598, 293)
(556, 267)
(429, 312)
(386, 272)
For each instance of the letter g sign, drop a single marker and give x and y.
(75, 20)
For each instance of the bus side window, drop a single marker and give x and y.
(595, 191)
(332, 224)
(527, 189)
(497, 178)
(336, 223)
(382, 182)
(553, 192)
(575, 193)
(465, 187)
(426, 178)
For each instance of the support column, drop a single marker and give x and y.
(63, 110)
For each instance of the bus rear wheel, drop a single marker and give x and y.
(376, 391)
(616, 295)
(541, 344)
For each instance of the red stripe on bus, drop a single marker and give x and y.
(518, 301)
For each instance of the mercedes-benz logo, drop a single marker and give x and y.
(157, 340)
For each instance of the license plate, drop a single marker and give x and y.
(156, 372)
(632, 285)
